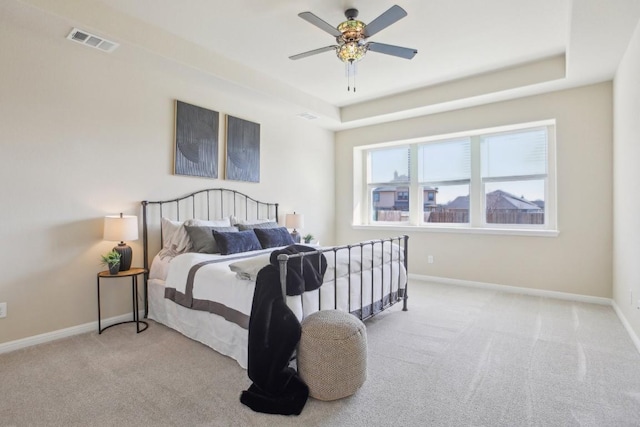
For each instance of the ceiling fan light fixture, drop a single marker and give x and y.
(351, 52)
(352, 31)
(352, 39)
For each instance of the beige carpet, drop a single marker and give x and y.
(459, 357)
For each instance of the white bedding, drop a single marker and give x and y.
(218, 283)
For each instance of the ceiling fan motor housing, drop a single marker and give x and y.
(351, 13)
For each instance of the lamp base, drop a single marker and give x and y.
(126, 255)
(295, 236)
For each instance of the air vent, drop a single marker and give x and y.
(307, 116)
(92, 40)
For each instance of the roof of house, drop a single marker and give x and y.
(497, 199)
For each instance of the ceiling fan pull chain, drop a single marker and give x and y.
(355, 71)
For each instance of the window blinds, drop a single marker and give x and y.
(445, 161)
(514, 153)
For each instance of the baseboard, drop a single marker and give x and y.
(92, 326)
(63, 333)
(512, 289)
(627, 325)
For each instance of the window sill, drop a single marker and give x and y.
(460, 230)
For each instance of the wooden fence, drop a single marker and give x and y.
(462, 216)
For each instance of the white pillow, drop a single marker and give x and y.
(236, 220)
(175, 236)
(223, 222)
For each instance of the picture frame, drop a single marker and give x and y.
(196, 141)
(242, 150)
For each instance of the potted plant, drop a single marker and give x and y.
(112, 261)
(308, 238)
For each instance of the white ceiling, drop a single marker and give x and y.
(453, 38)
(248, 42)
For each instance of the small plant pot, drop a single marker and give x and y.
(114, 268)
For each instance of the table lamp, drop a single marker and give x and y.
(294, 221)
(121, 228)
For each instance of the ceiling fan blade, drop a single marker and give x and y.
(387, 49)
(313, 52)
(313, 19)
(393, 14)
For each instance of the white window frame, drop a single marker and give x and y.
(477, 218)
(370, 186)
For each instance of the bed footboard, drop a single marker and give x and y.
(366, 278)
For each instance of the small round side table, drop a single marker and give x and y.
(133, 273)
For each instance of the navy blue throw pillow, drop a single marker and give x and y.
(273, 237)
(233, 243)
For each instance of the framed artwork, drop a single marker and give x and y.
(243, 150)
(196, 141)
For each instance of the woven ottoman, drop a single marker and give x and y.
(332, 354)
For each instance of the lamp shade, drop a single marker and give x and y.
(119, 228)
(294, 220)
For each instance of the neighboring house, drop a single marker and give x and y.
(502, 201)
(397, 198)
(499, 200)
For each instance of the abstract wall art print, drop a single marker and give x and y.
(243, 150)
(196, 141)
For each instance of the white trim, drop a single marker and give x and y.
(512, 289)
(362, 187)
(627, 325)
(64, 333)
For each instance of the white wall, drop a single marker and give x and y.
(626, 176)
(86, 134)
(578, 260)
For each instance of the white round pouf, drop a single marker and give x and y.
(332, 354)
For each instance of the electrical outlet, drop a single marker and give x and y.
(3, 310)
(430, 259)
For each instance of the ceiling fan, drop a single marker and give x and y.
(351, 36)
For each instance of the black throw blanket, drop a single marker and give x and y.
(274, 332)
(304, 273)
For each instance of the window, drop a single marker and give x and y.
(514, 173)
(388, 178)
(444, 169)
(497, 178)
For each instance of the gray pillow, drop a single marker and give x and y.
(233, 243)
(273, 237)
(202, 240)
(243, 227)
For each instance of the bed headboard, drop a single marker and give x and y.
(209, 204)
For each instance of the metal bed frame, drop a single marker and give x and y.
(364, 312)
(213, 203)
